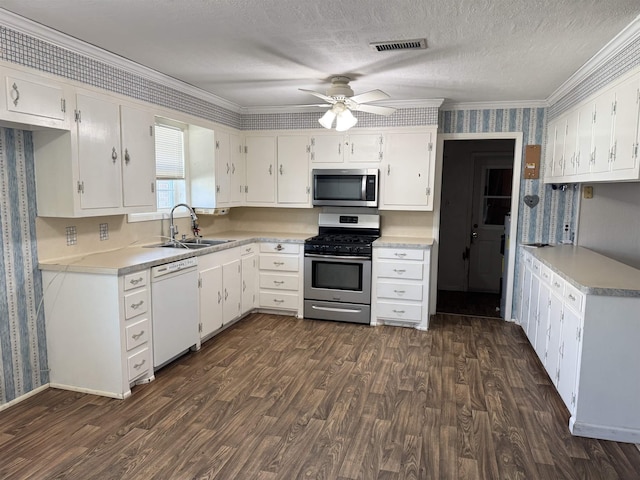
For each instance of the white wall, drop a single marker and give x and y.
(610, 222)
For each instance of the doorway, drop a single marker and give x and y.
(477, 178)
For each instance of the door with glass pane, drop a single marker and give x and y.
(491, 202)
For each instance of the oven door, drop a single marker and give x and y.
(337, 278)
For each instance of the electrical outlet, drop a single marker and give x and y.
(72, 235)
(587, 191)
(104, 231)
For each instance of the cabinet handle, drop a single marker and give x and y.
(114, 154)
(135, 306)
(572, 298)
(219, 297)
(233, 168)
(135, 281)
(388, 169)
(228, 168)
(400, 312)
(248, 250)
(278, 282)
(278, 264)
(352, 148)
(399, 292)
(137, 366)
(244, 286)
(339, 148)
(127, 157)
(226, 294)
(270, 169)
(400, 271)
(136, 336)
(280, 169)
(278, 300)
(15, 98)
(398, 254)
(279, 247)
(556, 284)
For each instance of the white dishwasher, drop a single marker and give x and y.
(175, 309)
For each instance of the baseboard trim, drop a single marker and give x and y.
(91, 391)
(603, 432)
(22, 398)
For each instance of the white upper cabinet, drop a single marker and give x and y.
(407, 171)
(223, 169)
(293, 171)
(261, 170)
(88, 171)
(346, 149)
(238, 169)
(34, 100)
(600, 141)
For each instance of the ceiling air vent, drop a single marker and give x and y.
(399, 45)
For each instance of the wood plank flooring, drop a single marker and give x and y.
(274, 397)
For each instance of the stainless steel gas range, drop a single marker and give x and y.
(337, 268)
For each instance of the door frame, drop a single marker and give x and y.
(515, 204)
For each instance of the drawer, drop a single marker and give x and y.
(401, 253)
(400, 311)
(557, 284)
(136, 280)
(546, 275)
(288, 301)
(137, 333)
(283, 263)
(399, 291)
(135, 303)
(139, 363)
(248, 249)
(408, 270)
(573, 297)
(280, 247)
(275, 281)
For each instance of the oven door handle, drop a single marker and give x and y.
(337, 257)
(341, 310)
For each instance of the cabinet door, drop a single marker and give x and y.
(99, 149)
(571, 144)
(138, 158)
(549, 150)
(249, 282)
(261, 169)
(293, 170)
(238, 169)
(232, 280)
(33, 96)
(223, 169)
(602, 126)
(568, 362)
(407, 172)
(625, 138)
(363, 147)
(558, 147)
(210, 300)
(585, 136)
(555, 330)
(526, 298)
(543, 321)
(327, 149)
(532, 326)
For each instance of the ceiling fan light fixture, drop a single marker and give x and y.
(327, 119)
(345, 120)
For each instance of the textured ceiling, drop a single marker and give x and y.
(259, 52)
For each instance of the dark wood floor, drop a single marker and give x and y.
(278, 398)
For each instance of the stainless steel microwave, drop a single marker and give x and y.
(345, 187)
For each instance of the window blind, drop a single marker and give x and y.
(169, 153)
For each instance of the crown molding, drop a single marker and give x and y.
(494, 105)
(629, 34)
(59, 39)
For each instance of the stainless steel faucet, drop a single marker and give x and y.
(173, 228)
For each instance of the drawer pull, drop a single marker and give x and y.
(278, 264)
(399, 292)
(399, 270)
(399, 312)
(137, 366)
(572, 298)
(278, 300)
(135, 281)
(136, 336)
(136, 306)
(279, 247)
(248, 250)
(556, 284)
(278, 282)
(398, 254)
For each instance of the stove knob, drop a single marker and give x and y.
(356, 250)
(348, 249)
(336, 248)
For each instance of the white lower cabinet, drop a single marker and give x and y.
(280, 277)
(400, 286)
(220, 284)
(99, 337)
(249, 260)
(587, 344)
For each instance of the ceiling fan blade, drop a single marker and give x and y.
(319, 95)
(376, 109)
(371, 96)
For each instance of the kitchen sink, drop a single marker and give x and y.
(192, 243)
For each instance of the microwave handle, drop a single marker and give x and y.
(363, 193)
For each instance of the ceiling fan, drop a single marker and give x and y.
(342, 101)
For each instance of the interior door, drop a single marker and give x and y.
(491, 202)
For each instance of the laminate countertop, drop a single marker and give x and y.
(590, 272)
(134, 258)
